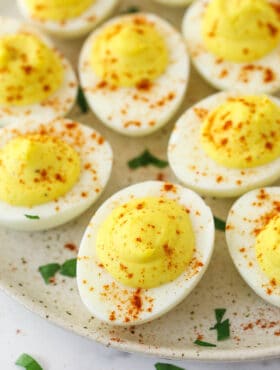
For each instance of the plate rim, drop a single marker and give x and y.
(213, 355)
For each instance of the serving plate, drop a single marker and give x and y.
(255, 325)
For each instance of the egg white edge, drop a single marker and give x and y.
(210, 66)
(179, 149)
(91, 271)
(75, 27)
(235, 241)
(65, 95)
(71, 204)
(98, 98)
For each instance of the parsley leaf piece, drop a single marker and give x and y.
(223, 330)
(69, 268)
(48, 271)
(219, 224)
(222, 327)
(81, 100)
(28, 362)
(219, 312)
(32, 217)
(204, 344)
(131, 9)
(161, 366)
(145, 159)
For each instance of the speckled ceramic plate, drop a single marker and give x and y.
(254, 324)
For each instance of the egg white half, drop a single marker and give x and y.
(96, 163)
(56, 105)
(132, 111)
(262, 75)
(75, 27)
(102, 294)
(245, 217)
(198, 171)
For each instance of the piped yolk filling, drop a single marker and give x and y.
(129, 53)
(36, 169)
(57, 10)
(267, 249)
(146, 242)
(30, 71)
(243, 132)
(240, 30)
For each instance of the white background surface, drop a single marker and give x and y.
(57, 349)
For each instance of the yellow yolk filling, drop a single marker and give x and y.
(57, 10)
(146, 242)
(37, 169)
(268, 249)
(29, 70)
(242, 132)
(129, 53)
(240, 30)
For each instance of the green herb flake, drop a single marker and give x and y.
(81, 100)
(222, 327)
(204, 344)
(48, 271)
(32, 217)
(219, 224)
(223, 330)
(160, 366)
(219, 313)
(145, 159)
(69, 268)
(131, 9)
(28, 362)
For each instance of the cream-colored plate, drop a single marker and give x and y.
(254, 324)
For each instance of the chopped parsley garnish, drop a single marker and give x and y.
(48, 271)
(222, 327)
(81, 100)
(32, 217)
(145, 159)
(131, 9)
(219, 224)
(219, 313)
(69, 268)
(28, 362)
(204, 344)
(223, 330)
(160, 366)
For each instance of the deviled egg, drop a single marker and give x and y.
(227, 144)
(143, 252)
(235, 43)
(134, 71)
(35, 79)
(67, 18)
(253, 238)
(50, 172)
